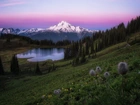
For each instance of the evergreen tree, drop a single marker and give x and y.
(80, 48)
(96, 47)
(1, 68)
(87, 48)
(92, 48)
(73, 49)
(67, 53)
(133, 26)
(14, 65)
(76, 61)
(83, 58)
(37, 71)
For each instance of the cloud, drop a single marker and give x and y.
(7, 3)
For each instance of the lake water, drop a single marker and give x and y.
(42, 54)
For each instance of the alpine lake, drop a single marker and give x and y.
(42, 54)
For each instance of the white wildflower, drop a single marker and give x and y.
(106, 74)
(98, 69)
(92, 72)
(122, 68)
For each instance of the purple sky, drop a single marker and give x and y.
(91, 14)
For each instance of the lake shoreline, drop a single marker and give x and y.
(42, 54)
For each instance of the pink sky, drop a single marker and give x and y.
(100, 14)
(46, 21)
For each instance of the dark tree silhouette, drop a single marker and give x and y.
(1, 67)
(14, 65)
(37, 71)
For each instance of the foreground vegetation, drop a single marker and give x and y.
(76, 85)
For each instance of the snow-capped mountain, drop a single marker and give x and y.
(20, 32)
(63, 26)
(31, 30)
(61, 31)
(8, 31)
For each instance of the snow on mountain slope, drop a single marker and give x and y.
(31, 30)
(1, 29)
(8, 31)
(63, 26)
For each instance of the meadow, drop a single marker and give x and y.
(76, 86)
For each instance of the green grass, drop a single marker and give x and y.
(78, 87)
(6, 56)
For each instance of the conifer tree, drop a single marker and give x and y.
(83, 58)
(96, 47)
(14, 65)
(75, 61)
(80, 48)
(1, 68)
(66, 53)
(92, 47)
(37, 71)
(87, 48)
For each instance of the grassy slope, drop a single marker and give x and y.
(76, 84)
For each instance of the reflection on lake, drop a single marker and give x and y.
(42, 54)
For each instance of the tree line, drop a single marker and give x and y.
(9, 37)
(101, 40)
